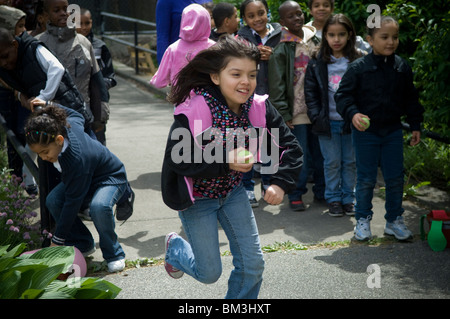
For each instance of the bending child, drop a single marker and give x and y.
(214, 95)
(89, 172)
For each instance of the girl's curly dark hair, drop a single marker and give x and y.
(45, 124)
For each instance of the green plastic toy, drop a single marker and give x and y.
(436, 239)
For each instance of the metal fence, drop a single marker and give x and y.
(112, 35)
(138, 9)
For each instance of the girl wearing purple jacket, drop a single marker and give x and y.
(216, 108)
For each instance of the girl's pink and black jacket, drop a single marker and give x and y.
(195, 116)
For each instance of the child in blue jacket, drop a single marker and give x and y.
(89, 172)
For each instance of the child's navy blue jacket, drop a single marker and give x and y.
(86, 165)
(381, 88)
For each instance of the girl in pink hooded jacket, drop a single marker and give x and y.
(194, 37)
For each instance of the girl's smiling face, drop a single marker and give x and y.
(255, 16)
(385, 40)
(321, 10)
(237, 81)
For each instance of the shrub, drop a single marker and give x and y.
(35, 276)
(428, 161)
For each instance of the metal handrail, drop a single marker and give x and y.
(124, 18)
(429, 134)
(20, 149)
(134, 45)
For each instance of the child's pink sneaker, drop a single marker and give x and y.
(172, 271)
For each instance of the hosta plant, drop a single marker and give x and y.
(46, 274)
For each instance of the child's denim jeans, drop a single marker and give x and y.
(200, 257)
(371, 151)
(339, 165)
(101, 211)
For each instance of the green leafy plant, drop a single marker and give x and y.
(42, 275)
(428, 161)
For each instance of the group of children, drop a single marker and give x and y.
(61, 78)
(332, 102)
(317, 103)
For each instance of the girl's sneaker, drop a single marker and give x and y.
(172, 271)
(398, 229)
(362, 229)
(116, 266)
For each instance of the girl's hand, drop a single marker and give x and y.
(415, 138)
(358, 123)
(274, 195)
(237, 161)
(265, 51)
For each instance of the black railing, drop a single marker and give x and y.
(429, 134)
(20, 149)
(135, 45)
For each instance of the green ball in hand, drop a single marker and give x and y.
(245, 153)
(365, 123)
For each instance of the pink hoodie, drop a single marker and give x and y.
(194, 37)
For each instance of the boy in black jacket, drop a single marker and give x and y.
(375, 92)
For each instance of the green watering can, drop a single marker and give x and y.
(436, 238)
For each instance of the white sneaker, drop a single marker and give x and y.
(116, 266)
(362, 229)
(398, 229)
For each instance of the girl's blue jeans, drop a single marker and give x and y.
(312, 161)
(371, 151)
(339, 165)
(101, 211)
(200, 257)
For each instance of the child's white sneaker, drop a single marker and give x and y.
(362, 229)
(116, 265)
(398, 229)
